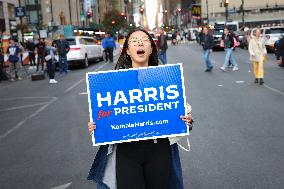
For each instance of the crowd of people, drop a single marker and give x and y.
(45, 50)
(257, 51)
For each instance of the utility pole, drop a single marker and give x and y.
(70, 16)
(243, 13)
(207, 12)
(21, 19)
(51, 12)
(226, 4)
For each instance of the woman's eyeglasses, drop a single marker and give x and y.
(135, 41)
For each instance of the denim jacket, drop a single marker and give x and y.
(103, 157)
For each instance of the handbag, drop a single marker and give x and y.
(222, 43)
(47, 57)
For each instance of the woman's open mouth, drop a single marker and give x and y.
(140, 52)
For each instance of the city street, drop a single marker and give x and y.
(237, 139)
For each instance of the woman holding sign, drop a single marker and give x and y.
(148, 164)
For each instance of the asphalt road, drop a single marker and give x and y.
(237, 141)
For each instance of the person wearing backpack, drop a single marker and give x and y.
(258, 53)
(229, 45)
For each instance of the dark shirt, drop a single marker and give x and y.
(162, 42)
(228, 41)
(207, 41)
(62, 47)
(40, 48)
(31, 46)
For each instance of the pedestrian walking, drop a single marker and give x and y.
(174, 38)
(30, 46)
(50, 60)
(149, 164)
(207, 43)
(280, 52)
(109, 45)
(162, 47)
(40, 54)
(13, 54)
(3, 75)
(257, 51)
(228, 41)
(62, 49)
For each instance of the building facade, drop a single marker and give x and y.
(8, 20)
(255, 11)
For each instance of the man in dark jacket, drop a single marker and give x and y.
(63, 49)
(40, 54)
(207, 43)
(280, 52)
(162, 47)
(31, 49)
(108, 44)
(13, 52)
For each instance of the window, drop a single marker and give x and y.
(1, 10)
(71, 41)
(274, 31)
(11, 11)
(82, 41)
(90, 41)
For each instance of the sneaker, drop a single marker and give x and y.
(52, 81)
(235, 68)
(223, 68)
(19, 78)
(12, 79)
(261, 81)
(256, 80)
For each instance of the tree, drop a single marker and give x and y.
(114, 21)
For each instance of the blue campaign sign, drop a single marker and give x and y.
(137, 104)
(20, 11)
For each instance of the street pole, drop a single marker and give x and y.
(226, 14)
(78, 18)
(207, 12)
(70, 16)
(21, 20)
(243, 13)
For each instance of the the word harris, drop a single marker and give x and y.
(136, 95)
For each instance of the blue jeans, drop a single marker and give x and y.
(63, 64)
(229, 57)
(207, 59)
(163, 56)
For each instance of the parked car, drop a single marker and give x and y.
(217, 35)
(241, 38)
(270, 35)
(83, 50)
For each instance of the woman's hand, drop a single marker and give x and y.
(91, 127)
(187, 119)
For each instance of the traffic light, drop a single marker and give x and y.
(89, 14)
(141, 10)
(226, 3)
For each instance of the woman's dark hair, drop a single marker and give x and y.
(124, 60)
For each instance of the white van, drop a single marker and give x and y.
(82, 50)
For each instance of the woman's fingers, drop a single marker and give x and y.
(91, 126)
(186, 119)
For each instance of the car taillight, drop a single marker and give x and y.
(75, 49)
(268, 36)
